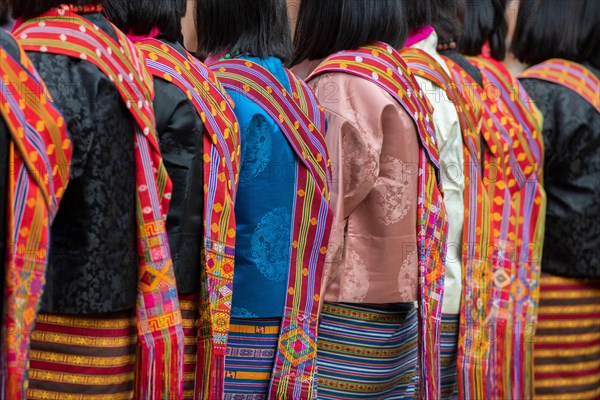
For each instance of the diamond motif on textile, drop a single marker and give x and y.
(501, 278)
(297, 346)
(520, 290)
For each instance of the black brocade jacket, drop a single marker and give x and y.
(11, 48)
(180, 134)
(93, 256)
(571, 179)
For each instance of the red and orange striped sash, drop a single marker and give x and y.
(222, 165)
(477, 233)
(519, 230)
(569, 74)
(39, 158)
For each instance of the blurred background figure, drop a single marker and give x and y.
(516, 277)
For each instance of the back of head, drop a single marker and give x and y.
(419, 13)
(141, 17)
(256, 27)
(325, 27)
(485, 21)
(32, 8)
(568, 29)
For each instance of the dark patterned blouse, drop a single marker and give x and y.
(93, 257)
(571, 179)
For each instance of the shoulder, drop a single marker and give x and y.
(347, 95)
(9, 44)
(249, 112)
(561, 106)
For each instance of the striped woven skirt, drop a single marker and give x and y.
(367, 351)
(567, 342)
(251, 349)
(82, 357)
(188, 303)
(449, 355)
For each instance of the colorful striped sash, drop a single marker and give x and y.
(39, 158)
(222, 165)
(518, 232)
(302, 121)
(473, 341)
(469, 112)
(480, 306)
(569, 74)
(160, 354)
(510, 105)
(383, 66)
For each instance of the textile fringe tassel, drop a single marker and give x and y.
(158, 368)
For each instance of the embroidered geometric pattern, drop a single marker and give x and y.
(297, 345)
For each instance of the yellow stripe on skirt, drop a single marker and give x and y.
(567, 343)
(87, 358)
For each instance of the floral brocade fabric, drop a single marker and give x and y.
(373, 145)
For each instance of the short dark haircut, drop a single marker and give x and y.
(141, 16)
(260, 28)
(567, 29)
(485, 21)
(449, 19)
(4, 13)
(32, 8)
(419, 13)
(327, 26)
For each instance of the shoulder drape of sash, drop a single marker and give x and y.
(39, 158)
(221, 172)
(568, 74)
(383, 66)
(160, 354)
(302, 121)
(515, 109)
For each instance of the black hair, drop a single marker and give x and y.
(449, 19)
(141, 16)
(32, 8)
(4, 12)
(568, 29)
(327, 26)
(260, 28)
(419, 13)
(485, 20)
